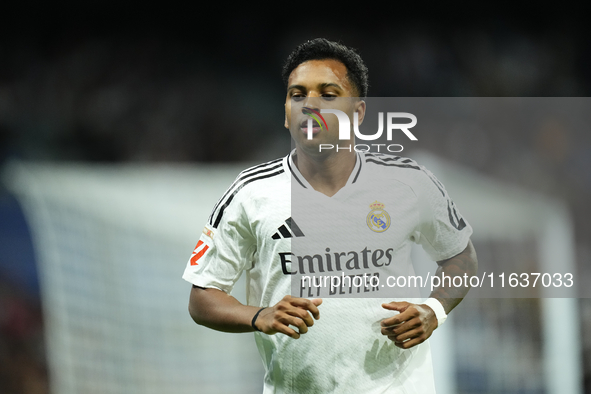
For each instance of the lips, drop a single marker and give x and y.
(313, 119)
(304, 126)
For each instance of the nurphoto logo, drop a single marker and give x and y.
(345, 128)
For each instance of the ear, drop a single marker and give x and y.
(360, 109)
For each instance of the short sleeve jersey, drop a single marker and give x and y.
(390, 202)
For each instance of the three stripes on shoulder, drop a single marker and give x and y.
(288, 231)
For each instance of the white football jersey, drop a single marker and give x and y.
(274, 226)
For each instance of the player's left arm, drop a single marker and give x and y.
(416, 322)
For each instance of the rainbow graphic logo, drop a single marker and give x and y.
(315, 115)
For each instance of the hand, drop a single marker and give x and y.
(290, 310)
(412, 326)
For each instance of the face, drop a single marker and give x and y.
(318, 84)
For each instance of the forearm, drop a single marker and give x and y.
(217, 310)
(465, 263)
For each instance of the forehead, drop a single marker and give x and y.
(316, 72)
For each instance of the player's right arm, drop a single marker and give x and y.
(220, 311)
(229, 246)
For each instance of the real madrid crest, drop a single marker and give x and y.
(378, 219)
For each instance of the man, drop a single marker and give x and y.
(360, 345)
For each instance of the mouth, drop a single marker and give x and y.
(312, 122)
(306, 123)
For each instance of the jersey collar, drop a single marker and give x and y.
(299, 178)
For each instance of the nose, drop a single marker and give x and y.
(312, 101)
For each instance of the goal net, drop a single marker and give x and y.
(111, 245)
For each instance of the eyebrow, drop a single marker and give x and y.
(322, 85)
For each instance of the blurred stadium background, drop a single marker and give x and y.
(119, 128)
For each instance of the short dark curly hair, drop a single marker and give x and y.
(320, 49)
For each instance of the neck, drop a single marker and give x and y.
(326, 174)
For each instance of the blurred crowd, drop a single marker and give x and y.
(164, 98)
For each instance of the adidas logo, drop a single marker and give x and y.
(284, 232)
